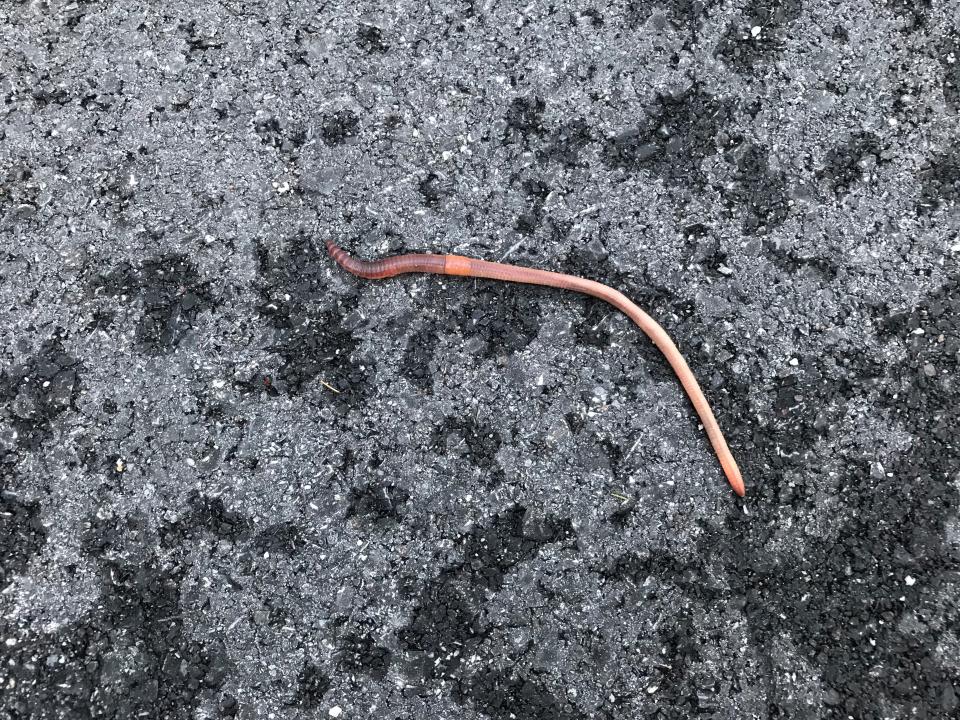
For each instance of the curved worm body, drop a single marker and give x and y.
(470, 267)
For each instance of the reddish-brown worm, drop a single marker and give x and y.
(470, 267)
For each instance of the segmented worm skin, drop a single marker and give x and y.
(470, 267)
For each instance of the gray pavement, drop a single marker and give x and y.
(236, 481)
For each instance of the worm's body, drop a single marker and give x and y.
(470, 267)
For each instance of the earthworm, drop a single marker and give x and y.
(470, 267)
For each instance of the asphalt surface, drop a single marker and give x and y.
(237, 482)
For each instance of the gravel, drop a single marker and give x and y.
(237, 482)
